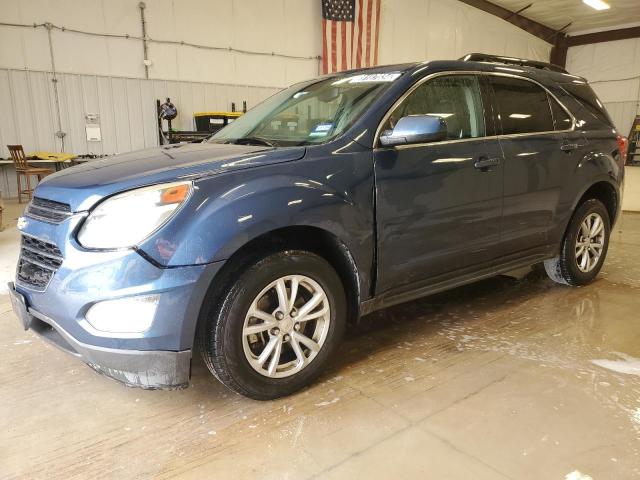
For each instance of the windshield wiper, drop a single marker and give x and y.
(253, 141)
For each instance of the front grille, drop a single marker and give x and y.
(38, 262)
(48, 210)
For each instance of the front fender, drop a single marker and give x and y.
(227, 211)
(265, 204)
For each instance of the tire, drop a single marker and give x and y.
(569, 269)
(233, 356)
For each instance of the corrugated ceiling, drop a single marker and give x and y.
(557, 13)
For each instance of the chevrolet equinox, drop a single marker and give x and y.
(331, 199)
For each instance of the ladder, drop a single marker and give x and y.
(633, 153)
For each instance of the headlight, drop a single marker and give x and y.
(126, 219)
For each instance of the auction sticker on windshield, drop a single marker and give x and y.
(370, 78)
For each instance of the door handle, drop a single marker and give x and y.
(484, 163)
(568, 147)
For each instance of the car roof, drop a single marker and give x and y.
(535, 72)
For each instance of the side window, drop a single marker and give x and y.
(455, 98)
(561, 118)
(523, 106)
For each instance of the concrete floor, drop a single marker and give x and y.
(519, 379)
(9, 242)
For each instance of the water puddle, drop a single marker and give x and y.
(628, 365)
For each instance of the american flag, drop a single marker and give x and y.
(349, 34)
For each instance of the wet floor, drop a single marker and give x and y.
(519, 379)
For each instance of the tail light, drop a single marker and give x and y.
(623, 144)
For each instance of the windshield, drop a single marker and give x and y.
(307, 113)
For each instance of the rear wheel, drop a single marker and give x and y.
(584, 246)
(274, 329)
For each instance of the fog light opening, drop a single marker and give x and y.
(124, 315)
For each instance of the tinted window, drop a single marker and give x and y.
(522, 106)
(454, 98)
(561, 118)
(587, 97)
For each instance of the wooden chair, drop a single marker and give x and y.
(23, 169)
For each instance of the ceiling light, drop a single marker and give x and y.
(597, 4)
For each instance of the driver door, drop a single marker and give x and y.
(439, 204)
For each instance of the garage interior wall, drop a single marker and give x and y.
(105, 76)
(613, 70)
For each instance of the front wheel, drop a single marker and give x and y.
(584, 246)
(273, 330)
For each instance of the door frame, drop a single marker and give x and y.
(487, 113)
(497, 126)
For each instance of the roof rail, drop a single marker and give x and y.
(484, 57)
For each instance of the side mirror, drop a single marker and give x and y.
(416, 129)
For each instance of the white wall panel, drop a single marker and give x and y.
(8, 131)
(410, 30)
(446, 29)
(291, 27)
(107, 113)
(22, 103)
(613, 69)
(72, 106)
(43, 110)
(126, 109)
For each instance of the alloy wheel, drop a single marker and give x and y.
(286, 326)
(590, 242)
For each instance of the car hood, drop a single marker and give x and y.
(84, 185)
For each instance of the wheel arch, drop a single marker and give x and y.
(297, 237)
(607, 193)
(602, 188)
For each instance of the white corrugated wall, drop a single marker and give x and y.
(613, 70)
(126, 108)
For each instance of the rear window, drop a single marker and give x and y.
(584, 94)
(523, 106)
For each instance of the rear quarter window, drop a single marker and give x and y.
(585, 95)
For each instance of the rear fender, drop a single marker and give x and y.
(593, 168)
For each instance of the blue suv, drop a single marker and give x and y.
(331, 199)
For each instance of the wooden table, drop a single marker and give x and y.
(59, 164)
(60, 161)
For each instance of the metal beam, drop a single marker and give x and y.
(531, 26)
(518, 12)
(559, 51)
(606, 36)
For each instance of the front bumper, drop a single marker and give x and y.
(158, 357)
(151, 369)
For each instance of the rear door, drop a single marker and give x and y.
(438, 204)
(536, 162)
